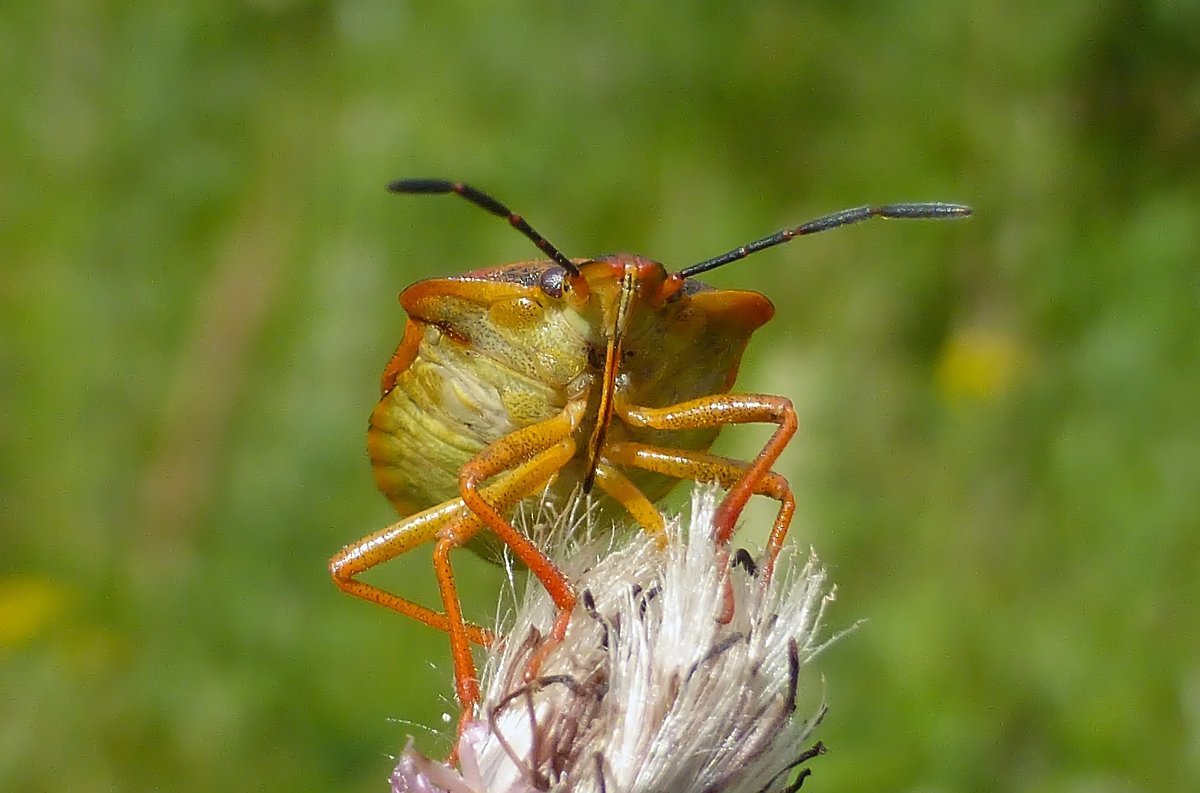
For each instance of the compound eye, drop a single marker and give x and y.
(554, 281)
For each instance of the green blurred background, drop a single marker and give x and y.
(1000, 435)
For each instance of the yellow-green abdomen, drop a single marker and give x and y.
(445, 407)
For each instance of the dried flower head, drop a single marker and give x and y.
(649, 691)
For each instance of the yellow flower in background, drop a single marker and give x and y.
(977, 364)
(27, 605)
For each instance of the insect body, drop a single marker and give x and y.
(492, 352)
(611, 374)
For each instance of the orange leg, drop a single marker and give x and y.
(523, 461)
(385, 545)
(618, 487)
(528, 444)
(504, 494)
(705, 467)
(718, 411)
(501, 456)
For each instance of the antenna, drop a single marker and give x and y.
(931, 210)
(484, 201)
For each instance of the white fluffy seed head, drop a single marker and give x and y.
(649, 691)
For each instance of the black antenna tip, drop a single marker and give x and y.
(929, 209)
(421, 186)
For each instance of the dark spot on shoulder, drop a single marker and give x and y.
(452, 333)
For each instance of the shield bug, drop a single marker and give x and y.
(552, 375)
